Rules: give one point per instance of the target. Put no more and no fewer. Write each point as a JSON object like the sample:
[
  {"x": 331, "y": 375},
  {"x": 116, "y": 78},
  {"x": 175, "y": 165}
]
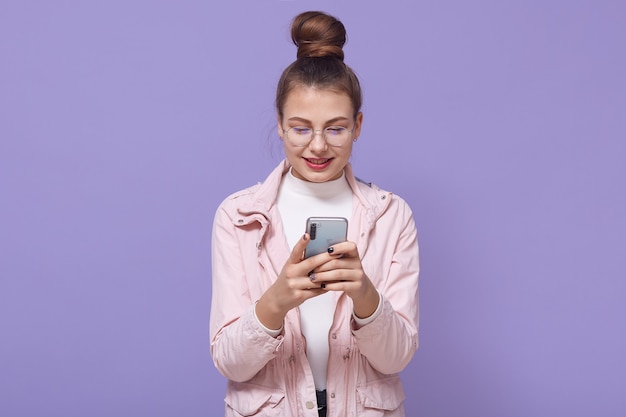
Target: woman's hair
[{"x": 319, "y": 64}]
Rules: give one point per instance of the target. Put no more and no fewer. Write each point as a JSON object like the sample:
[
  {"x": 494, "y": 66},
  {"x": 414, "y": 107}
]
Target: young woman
[{"x": 325, "y": 335}]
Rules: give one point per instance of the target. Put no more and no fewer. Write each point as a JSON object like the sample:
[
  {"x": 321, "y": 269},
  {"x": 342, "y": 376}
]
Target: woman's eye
[
  {"x": 335, "y": 130},
  {"x": 301, "y": 130}
]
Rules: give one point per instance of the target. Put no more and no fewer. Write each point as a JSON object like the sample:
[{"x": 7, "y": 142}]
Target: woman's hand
[
  {"x": 292, "y": 287},
  {"x": 341, "y": 270}
]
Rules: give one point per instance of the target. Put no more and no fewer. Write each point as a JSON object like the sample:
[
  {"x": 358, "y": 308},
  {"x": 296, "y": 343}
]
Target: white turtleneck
[{"x": 298, "y": 200}]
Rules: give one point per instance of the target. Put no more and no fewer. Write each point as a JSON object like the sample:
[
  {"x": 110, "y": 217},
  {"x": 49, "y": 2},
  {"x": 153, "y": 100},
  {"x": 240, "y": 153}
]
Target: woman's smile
[{"x": 318, "y": 163}]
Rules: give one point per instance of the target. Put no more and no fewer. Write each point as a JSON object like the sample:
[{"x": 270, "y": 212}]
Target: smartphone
[{"x": 324, "y": 232}]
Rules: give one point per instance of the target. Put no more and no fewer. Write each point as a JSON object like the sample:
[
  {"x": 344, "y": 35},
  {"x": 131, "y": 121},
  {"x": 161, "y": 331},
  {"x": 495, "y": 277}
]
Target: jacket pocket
[
  {"x": 246, "y": 399},
  {"x": 381, "y": 397}
]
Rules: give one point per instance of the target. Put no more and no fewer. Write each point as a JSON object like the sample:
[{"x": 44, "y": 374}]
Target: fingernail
[
  {"x": 304, "y": 236},
  {"x": 323, "y": 286},
  {"x": 331, "y": 249},
  {"x": 312, "y": 277}
]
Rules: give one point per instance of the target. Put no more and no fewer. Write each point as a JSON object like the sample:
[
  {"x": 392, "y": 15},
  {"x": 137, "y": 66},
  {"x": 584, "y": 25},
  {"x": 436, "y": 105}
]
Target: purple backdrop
[{"x": 123, "y": 124}]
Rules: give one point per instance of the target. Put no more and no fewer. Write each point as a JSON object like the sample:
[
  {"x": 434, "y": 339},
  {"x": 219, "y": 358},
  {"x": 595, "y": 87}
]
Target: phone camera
[{"x": 313, "y": 230}]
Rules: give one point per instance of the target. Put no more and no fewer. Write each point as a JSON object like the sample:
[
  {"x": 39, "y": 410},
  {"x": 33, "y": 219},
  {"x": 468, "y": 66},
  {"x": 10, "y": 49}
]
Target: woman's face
[{"x": 318, "y": 109}]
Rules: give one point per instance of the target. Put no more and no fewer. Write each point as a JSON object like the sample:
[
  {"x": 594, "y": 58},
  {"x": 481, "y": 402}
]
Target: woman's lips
[{"x": 317, "y": 163}]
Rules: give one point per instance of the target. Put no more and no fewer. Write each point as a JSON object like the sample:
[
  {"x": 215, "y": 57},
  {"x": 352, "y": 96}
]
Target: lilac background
[{"x": 123, "y": 124}]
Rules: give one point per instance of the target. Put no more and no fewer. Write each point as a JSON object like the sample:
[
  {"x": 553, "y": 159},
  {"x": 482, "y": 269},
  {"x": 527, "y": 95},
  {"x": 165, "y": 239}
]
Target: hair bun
[{"x": 318, "y": 34}]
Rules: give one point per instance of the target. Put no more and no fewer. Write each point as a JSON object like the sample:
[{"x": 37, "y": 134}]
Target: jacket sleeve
[
  {"x": 390, "y": 341},
  {"x": 239, "y": 346}
]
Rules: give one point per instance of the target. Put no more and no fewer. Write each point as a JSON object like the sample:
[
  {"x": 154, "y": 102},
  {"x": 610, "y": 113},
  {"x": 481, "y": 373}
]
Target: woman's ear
[
  {"x": 279, "y": 124},
  {"x": 358, "y": 121}
]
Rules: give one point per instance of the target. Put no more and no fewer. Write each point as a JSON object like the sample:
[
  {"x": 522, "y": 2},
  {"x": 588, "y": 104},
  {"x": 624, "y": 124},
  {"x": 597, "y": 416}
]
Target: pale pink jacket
[{"x": 270, "y": 376}]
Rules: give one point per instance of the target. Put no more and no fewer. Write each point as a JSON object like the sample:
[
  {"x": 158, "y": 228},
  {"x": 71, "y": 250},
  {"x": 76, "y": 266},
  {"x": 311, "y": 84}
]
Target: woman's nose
[{"x": 318, "y": 142}]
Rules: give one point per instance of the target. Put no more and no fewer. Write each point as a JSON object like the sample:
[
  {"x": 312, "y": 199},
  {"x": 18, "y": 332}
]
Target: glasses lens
[
  {"x": 336, "y": 135},
  {"x": 299, "y": 135}
]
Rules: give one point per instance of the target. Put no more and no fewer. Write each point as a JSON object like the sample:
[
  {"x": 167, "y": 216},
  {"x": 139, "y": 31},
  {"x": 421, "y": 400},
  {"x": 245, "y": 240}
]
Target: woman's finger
[{"x": 297, "y": 253}]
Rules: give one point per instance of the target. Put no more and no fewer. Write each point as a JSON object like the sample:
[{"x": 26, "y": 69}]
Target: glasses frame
[{"x": 313, "y": 133}]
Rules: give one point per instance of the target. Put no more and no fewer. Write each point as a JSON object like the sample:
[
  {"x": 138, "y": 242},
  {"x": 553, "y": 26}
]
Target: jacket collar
[{"x": 264, "y": 195}]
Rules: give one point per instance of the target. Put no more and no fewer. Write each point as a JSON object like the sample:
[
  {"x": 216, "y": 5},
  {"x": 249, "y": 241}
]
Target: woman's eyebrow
[{"x": 333, "y": 120}]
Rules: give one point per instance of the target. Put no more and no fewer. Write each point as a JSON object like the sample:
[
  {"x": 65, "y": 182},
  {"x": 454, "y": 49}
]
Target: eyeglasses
[{"x": 301, "y": 136}]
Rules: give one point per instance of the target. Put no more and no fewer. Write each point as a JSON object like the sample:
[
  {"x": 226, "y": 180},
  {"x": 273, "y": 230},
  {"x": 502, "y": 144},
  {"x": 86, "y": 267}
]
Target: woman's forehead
[{"x": 307, "y": 102}]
